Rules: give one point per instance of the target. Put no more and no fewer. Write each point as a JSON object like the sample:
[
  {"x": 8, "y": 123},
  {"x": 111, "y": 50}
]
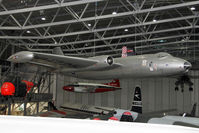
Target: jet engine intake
[
  {"x": 109, "y": 60},
  {"x": 104, "y": 62}
]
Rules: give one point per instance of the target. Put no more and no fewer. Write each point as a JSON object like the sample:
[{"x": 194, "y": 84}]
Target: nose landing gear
[
  {"x": 182, "y": 81},
  {"x": 176, "y": 88}
]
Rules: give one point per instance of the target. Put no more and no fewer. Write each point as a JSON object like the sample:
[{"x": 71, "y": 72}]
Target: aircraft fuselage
[{"x": 141, "y": 66}]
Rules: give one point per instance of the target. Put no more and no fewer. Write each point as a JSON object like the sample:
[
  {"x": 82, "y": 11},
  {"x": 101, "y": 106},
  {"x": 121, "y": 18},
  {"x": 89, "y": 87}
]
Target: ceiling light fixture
[
  {"x": 126, "y": 30},
  {"x": 154, "y": 20},
  {"x": 193, "y": 8},
  {"x": 114, "y": 13},
  {"x": 43, "y": 18},
  {"x": 28, "y": 31},
  {"x": 89, "y": 25}
]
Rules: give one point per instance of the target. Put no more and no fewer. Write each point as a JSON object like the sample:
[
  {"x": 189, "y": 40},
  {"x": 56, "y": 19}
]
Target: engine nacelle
[{"x": 103, "y": 62}]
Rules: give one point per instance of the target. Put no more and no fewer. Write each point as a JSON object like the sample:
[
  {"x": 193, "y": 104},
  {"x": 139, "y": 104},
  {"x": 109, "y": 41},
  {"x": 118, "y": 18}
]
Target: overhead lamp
[
  {"x": 193, "y": 8},
  {"x": 161, "y": 41},
  {"x": 154, "y": 20},
  {"x": 126, "y": 30},
  {"x": 43, "y": 18},
  {"x": 114, "y": 13},
  {"x": 28, "y": 31},
  {"x": 89, "y": 25}
]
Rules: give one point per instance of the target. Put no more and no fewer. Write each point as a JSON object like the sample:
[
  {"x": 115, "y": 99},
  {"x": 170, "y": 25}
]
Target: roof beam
[
  {"x": 131, "y": 42},
  {"x": 101, "y": 17},
  {"x": 116, "y": 44},
  {"x": 140, "y": 51},
  {"x": 32, "y": 9},
  {"x": 102, "y": 29},
  {"x": 113, "y": 37}
]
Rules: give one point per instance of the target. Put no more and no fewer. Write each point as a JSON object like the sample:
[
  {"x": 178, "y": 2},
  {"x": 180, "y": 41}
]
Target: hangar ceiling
[{"x": 98, "y": 27}]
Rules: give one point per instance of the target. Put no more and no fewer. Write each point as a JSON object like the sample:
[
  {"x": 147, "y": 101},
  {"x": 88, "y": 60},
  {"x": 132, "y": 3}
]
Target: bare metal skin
[{"x": 105, "y": 67}]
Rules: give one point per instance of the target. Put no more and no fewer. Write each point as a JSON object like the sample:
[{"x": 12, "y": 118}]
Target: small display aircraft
[
  {"x": 92, "y": 87},
  {"x": 17, "y": 88}
]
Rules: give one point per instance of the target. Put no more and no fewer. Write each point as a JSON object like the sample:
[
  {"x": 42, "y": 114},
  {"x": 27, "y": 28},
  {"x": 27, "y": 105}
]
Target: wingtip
[{"x": 21, "y": 57}]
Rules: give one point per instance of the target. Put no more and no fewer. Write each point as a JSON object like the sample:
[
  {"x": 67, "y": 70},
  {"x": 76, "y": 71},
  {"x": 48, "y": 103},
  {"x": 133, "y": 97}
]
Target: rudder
[
  {"x": 137, "y": 101},
  {"x": 58, "y": 51}
]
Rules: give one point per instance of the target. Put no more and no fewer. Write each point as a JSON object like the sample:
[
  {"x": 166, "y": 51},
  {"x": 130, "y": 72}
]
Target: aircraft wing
[
  {"x": 185, "y": 124},
  {"x": 59, "y": 61},
  {"x": 53, "y": 113},
  {"x": 84, "y": 108},
  {"x": 50, "y": 59}
]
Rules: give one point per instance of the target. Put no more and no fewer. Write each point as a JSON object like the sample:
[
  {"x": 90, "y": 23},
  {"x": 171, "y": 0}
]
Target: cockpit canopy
[{"x": 162, "y": 54}]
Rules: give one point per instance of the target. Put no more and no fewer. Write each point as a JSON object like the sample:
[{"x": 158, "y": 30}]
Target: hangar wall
[{"x": 157, "y": 94}]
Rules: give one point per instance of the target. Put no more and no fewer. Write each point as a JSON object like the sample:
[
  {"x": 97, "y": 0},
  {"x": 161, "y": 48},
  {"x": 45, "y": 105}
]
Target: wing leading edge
[
  {"x": 51, "y": 59},
  {"x": 61, "y": 62}
]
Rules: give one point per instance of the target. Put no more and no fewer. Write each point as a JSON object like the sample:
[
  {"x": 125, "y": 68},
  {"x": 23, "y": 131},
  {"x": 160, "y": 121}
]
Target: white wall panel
[
  {"x": 151, "y": 94},
  {"x": 104, "y": 99},
  {"x": 124, "y": 96},
  {"x": 111, "y": 99},
  {"x": 179, "y": 104},
  {"x": 85, "y": 97},
  {"x": 165, "y": 93},
  {"x": 130, "y": 91},
  {"x": 196, "y": 92},
  {"x": 98, "y": 99},
  {"x": 157, "y": 94},
  {"x": 117, "y": 98},
  {"x": 187, "y": 100},
  {"x": 91, "y": 99},
  {"x": 145, "y": 95},
  {"x": 72, "y": 97},
  {"x": 172, "y": 94},
  {"x": 78, "y": 98},
  {"x": 59, "y": 92}
]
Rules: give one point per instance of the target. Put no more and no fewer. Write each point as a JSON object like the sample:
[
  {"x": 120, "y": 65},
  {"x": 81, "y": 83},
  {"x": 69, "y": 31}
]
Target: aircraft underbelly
[
  {"x": 126, "y": 72},
  {"x": 132, "y": 67}
]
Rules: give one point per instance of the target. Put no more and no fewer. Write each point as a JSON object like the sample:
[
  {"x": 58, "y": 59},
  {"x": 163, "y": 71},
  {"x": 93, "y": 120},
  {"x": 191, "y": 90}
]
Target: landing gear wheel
[
  {"x": 190, "y": 89},
  {"x": 176, "y": 88}
]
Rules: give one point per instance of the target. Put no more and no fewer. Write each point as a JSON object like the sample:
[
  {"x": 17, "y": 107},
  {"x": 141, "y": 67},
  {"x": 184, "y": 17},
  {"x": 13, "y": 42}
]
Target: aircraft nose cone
[
  {"x": 187, "y": 66},
  {"x": 11, "y": 58}
]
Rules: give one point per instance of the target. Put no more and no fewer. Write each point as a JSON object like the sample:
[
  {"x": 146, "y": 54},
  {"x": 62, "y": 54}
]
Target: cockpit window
[{"x": 162, "y": 54}]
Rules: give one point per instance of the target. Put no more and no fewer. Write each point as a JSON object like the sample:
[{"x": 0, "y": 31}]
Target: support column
[
  {"x": 12, "y": 64},
  {"x": 59, "y": 90},
  {"x": 9, "y": 108},
  {"x": 25, "y": 113}
]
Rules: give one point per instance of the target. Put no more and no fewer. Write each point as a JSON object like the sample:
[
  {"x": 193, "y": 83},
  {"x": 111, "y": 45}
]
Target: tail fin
[
  {"x": 127, "y": 52},
  {"x": 137, "y": 101},
  {"x": 193, "y": 111},
  {"x": 124, "y": 51},
  {"x": 51, "y": 106},
  {"x": 58, "y": 51}
]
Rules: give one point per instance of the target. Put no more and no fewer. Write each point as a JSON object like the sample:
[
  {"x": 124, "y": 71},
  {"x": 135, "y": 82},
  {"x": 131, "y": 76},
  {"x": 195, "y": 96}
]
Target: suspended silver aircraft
[{"x": 106, "y": 67}]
